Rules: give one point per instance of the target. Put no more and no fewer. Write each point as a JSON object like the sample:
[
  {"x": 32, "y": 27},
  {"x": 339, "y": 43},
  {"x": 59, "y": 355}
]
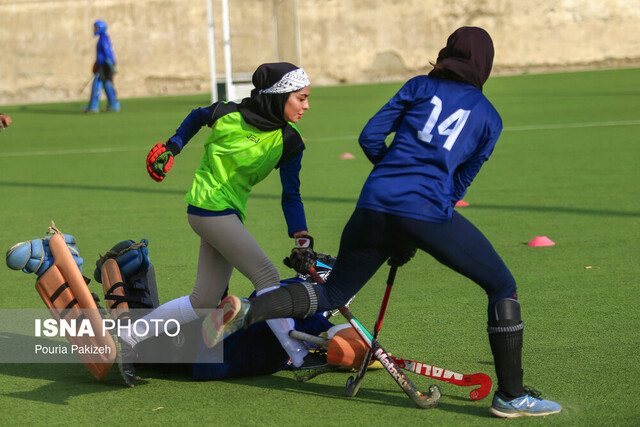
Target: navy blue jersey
[{"x": 444, "y": 132}]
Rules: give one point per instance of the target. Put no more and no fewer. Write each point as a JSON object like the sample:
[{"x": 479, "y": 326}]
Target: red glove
[{"x": 159, "y": 161}]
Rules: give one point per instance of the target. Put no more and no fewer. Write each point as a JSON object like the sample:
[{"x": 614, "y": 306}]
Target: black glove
[
  {"x": 302, "y": 257},
  {"x": 325, "y": 259},
  {"x": 401, "y": 255}
]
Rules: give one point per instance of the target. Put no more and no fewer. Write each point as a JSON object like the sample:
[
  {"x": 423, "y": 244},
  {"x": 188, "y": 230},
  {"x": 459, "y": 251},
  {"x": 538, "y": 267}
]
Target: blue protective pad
[
  {"x": 18, "y": 255},
  {"x": 34, "y": 256},
  {"x": 96, "y": 92},
  {"x": 130, "y": 262}
]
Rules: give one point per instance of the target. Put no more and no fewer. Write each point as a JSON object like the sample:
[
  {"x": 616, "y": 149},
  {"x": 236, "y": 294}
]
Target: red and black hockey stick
[
  {"x": 482, "y": 380},
  {"x": 421, "y": 400},
  {"x": 353, "y": 383}
]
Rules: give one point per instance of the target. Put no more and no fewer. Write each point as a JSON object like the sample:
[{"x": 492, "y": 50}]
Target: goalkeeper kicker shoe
[
  {"x": 313, "y": 365},
  {"x": 227, "y": 319},
  {"x": 529, "y": 405},
  {"x": 125, "y": 363}
]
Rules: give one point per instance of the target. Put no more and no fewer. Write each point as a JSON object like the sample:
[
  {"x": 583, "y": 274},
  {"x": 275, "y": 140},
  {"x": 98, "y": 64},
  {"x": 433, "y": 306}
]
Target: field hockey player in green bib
[{"x": 248, "y": 141}]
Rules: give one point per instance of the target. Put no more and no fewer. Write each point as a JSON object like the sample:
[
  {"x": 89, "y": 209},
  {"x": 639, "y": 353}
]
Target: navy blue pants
[{"x": 369, "y": 236}]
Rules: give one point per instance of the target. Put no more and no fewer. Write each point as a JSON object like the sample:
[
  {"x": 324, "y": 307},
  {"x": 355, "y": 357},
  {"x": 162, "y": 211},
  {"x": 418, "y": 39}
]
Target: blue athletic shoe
[
  {"x": 529, "y": 405},
  {"x": 227, "y": 319}
]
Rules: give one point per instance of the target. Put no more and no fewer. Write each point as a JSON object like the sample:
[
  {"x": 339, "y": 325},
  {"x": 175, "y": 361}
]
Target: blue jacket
[
  {"x": 444, "y": 132},
  {"x": 104, "y": 51}
]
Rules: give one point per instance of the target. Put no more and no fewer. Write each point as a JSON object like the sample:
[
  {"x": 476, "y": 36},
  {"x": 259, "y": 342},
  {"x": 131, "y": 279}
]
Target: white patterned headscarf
[
  {"x": 273, "y": 84},
  {"x": 291, "y": 82}
]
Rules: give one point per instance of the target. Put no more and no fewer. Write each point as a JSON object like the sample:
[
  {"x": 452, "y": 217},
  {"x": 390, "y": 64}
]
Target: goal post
[
  {"x": 282, "y": 27},
  {"x": 212, "y": 53},
  {"x": 286, "y": 31}
]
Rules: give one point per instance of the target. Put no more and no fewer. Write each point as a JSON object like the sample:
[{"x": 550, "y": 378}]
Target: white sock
[
  {"x": 179, "y": 309},
  {"x": 281, "y": 328}
]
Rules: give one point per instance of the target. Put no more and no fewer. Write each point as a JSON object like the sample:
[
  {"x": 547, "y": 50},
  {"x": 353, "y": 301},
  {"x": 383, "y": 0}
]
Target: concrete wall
[{"x": 48, "y": 48}]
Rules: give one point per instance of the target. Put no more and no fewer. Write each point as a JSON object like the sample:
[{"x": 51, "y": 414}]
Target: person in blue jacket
[
  {"x": 104, "y": 69},
  {"x": 445, "y": 129}
]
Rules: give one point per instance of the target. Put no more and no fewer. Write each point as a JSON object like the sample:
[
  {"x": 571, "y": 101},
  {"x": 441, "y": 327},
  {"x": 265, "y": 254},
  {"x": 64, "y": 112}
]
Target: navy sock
[{"x": 296, "y": 300}]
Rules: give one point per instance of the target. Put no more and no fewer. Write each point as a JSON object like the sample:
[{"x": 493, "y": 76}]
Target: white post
[
  {"x": 212, "y": 55},
  {"x": 231, "y": 93},
  {"x": 299, "y": 61}
]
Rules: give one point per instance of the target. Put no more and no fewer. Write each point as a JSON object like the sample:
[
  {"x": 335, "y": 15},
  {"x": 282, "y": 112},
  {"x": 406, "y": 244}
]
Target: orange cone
[{"x": 347, "y": 156}]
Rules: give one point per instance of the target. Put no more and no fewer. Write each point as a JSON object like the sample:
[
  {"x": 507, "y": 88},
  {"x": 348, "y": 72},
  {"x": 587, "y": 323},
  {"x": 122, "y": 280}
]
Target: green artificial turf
[{"x": 565, "y": 167}]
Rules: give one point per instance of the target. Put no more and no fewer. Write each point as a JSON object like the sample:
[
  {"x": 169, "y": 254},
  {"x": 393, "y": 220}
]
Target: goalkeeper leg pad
[
  {"x": 114, "y": 290},
  {"x": 65, "y": 292},
  {"x": 96, "y": 92},
  {"x": 110, "y": 90}
]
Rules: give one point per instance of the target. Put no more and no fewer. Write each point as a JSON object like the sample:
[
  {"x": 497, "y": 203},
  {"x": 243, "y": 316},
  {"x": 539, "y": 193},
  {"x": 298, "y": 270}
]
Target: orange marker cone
[
  {"x": 541, "y": 241},
  {"x": 461, "y": 204},
  {"x": 347, "y": 156}
]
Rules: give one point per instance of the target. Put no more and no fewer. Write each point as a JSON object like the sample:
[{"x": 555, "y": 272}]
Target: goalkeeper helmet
[{"x": 99, "y": 27}]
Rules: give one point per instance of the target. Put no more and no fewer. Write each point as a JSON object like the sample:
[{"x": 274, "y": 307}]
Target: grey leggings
[{"x": 225, "y": 244}]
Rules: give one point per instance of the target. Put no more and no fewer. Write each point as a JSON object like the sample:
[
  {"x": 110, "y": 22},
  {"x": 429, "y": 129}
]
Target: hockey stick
[
  {"x": 353, "y": 383},
  {"x": 84, "y": 86},
  {"x": 422, "y": 401},
  {"x": 483, "y": 380},
  {"x": 420, "y": 368}
]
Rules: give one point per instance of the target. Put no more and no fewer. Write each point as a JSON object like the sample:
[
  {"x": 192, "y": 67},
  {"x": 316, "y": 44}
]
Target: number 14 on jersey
[{"x": 449, "y": 127}]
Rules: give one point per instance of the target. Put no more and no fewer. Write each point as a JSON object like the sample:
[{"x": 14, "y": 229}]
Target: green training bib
[{"x": 237, "y": 156}]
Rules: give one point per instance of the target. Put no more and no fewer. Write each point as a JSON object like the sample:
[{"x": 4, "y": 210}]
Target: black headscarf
[
  {"x": 266, "y": 111},
  {"x": 467, "y": 57}
]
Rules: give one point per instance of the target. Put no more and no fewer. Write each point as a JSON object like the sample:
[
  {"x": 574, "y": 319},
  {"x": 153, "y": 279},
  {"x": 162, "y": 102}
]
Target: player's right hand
[
  {"x": 401, "y": 255},
  {"x": 302, "y": 256},
  {"x": 301, "y": 262},
  {"x": 159, "y": 161}
]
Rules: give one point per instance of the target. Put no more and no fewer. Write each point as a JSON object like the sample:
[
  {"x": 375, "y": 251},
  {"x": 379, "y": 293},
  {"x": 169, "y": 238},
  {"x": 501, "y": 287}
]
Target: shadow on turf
[
  {"x": 150, "y": 190},
  {"x": 389, "y": 396},
  {"x": 64, "y": 380},
  {"x": 63, "y": 110},
  {"x": 352, "y": 201}
]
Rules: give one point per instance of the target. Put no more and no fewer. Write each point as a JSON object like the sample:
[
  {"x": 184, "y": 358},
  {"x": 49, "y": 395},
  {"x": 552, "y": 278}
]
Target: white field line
[
  {"x": 574, "y": 125},
  {"x": 518, "y": 128},
  {"x": 79, "y": 151},
  {"x": 329, "y": 139}
]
